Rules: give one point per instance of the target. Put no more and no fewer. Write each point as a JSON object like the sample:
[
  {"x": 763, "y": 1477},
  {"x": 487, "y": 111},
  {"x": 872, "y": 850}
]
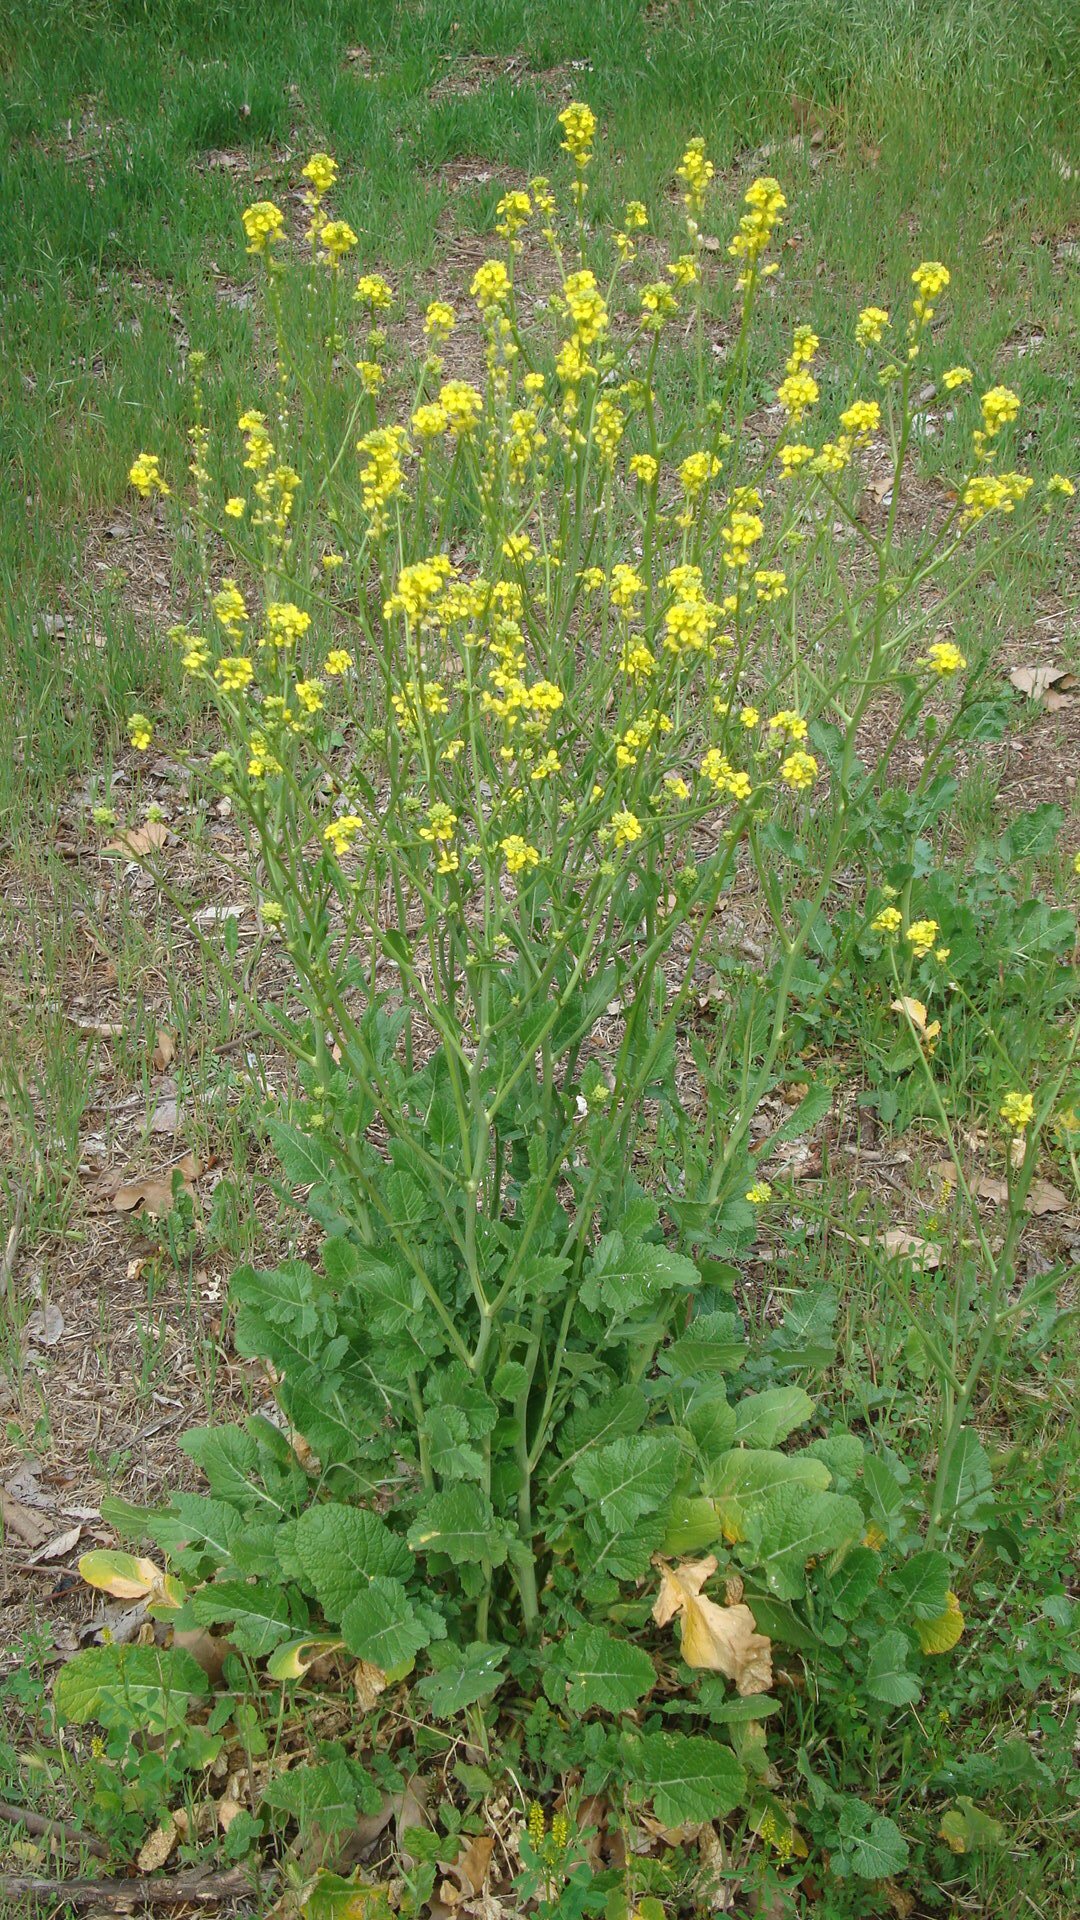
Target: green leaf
[
  {"x": 459, "y": 1522},
  {"x": 713, "y": 1343},
  {"x": 380, "y": 1626},
  {"x": 330, "y": 1897},
  {"x": 710, "y": 1417},
  {"x": 326, "y": 1796},
  {"x": 813, "y": 1107},
  {"x": 259, "y": 1615},
  {"x": 922, "y": 1585},
  {"x": 305, "y": 1159},
  {"x": 849, "y": 1588},
  {"x": 742, "y": 1483},
  {"x": 967, "y": 1829},
  {"x": 283, "y": 1296},
  {"x": 129, "y": 1686},
  {"x": 461, "y": 1675},
  {"x": 967, "y": 1499},
  {"x": 878, "y": 1850},
  {"x": 691, "y": 1523},
  {"x": 608, "y": 1418},
  {"x": 628, "y": 1274},
  {"x": 887, "y": 1677},
  {"x": 629, "y": 1478},
  {"x": 794, "y": 1524},
  {"x": 765, "y": 1419},
  {"x": 688, "y": 1778},
  {"x": 603, "y": 1671},
  {"x": 341, "y": 1548}
]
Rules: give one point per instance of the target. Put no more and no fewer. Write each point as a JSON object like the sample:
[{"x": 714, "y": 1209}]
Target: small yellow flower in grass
[
  {"x": 439, "y": 321},
  {"x": 759, "y": 1194},
  {"x": 228, "y": 604},
  {"x": 196, "y": 658},
  {"x": 272, "y": 913},
  {"x": 749, "y": 717},
  {"x": 770, "y": 583},
  {"x": 371, "y": 376},
  {"x": 104, "y": 816},
  {"x": 264, "y": 223},
  {"x": 578, "y": 123},
  {"x": 592, "y": 579},
  {"x": 341, "y": 833},
  {"x": 140, "y": 731},
  {"x": 921, "y": 937},
  {"x": 696, "y": 471},
  {"x": 331, "y": 561},
  {"x": 954, "y": 377},
  {"x": 625, "y": 828},
  {"x": 310, "y": 695},
  {"x": 517, "y": 853},
  {"x": 740, "y": 533},
  {"x": 861, "y": 419},
  {"x": 261, "y": 760},
  {"x": 790, "y": 725},
  {"x": 644, "y": 468},
  {"x": 1059, "y": 484},
  {"x": 286, "y": 623},
  {"x": 635, "y": 217},
  {"x": 234, "y": 673},
  {"x": 804, "y": 346},
  {"x": 337, "y": 239},
  {"x": 544, "y": 697},
  {"x": 145, "y": 475},
  {"x": 429, "y": 421},
  {"x": 676, "y": 786},
  {"x": 658, "y": 305},
  {"x": 374, "y": 292},
  {"x": 888, "y": 922},
  {"x": 518, "y": 546},
  {"x": 799, "y": 770},
  {"x": 944, "y": 659},
  {"x": 512, "y": 213},
  {"x": 441, "y": 822},
  {"x": 797, "y": 394},
  {"x": 870, "y": 326},
  {"x": 533, "y": 383},
  {"x": 930, "y": 278},
  {"x": 337, "y": 662},
  {"x": 462, "y": 405},
  {"x": 236, "y": 507},
  {"x": 999, "y": 406},
  {"x": 717, "y": 769},
  {"x": 1018, "y": 1111},
  {"x": 627, "y": 586},
  {"x": 490, "y": 286},
  {"x": 792, "y": 457},
  {"x": 1076, "y": 863},
  {"x": 321, "y": 171},
  {"x": 636, "y": 661},
  {"x": 694, "y": 172}
]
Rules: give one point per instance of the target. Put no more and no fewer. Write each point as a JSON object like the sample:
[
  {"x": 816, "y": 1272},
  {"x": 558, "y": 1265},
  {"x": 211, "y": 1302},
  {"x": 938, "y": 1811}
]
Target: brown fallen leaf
[
  {"x": 209, "y": 1650},
  {"x": 901, "y": 1245},
  {"x": 916, "y": 1013},
  {"x": 55, "y": 1549},
  {"x": 164, "y": 1051},
  {"x": 31, "y": 1529},
  {"x": 368, "y": 1682},
  {"x": 466, "y": 1877},
  {"x": 162, "y": 1843},
  {"x": 137, "y": 842},
  {"x": 153, "y": 1193},
  {"x": 1038, "y": 682},
  {"x": 1043, "y": 1197},
  {"x": 723, "y": 1639}
]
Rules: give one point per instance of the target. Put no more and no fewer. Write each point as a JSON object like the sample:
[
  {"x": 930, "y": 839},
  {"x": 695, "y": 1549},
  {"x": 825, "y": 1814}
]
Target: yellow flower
[
  {"x": 636, "y": 661},
  {"x": 695, "y": 172},
  {"x": 799, "y": 770},
  {"x": 1018, "y": 1111},
  {"x": 804, "y": 346},
  {"x": 228, "y": 604},
  {"x": 439, "y": 321},
  {"x": 341, "y": 832},
  {"x": 644, "y": 468},
  {"x": 626, "y": 586},
  {"x": 625, "y": 828},
  {"x": 696, "y": 471},
  {"x": 1058, "y": 483},
  {"x": 921, "y": 937},
  {"x": 930, "y": 278},
  {"x": 234, "y": 673},
  {"x": 759, "y": 1194},
  {"x": 272, "y": 912},
  {"x": 518, "y": 854},
  {"x": 544, "y": 697},
  {"x": 586, "y": 306},
  {"x": 766, "y": 204},
  {"x": 676, "y": 786},
  {"x": 371, "y": 375},
  {"x": 441, "y": 822},
  {"x": 338, "y": 239},
  {"x": 462, "y": 405},
  {"x": 888, "y": 922},
  {"x": 999, "y": 406},
  {"x": 374, "y": 292},
  {"x": 718, "y": 770},
  {"x": 337, "y": 662},
  {"x": 429, "y": 421},
  {"x": 236, "y": 507},
  {"x": 770, "y": 584},
  {"x": 578, "y": 123},
  {"x": 491, "y": 286},
  {"x": 286, "y": 623},
  {"x": 658, "y": 305},
  {"x": 791, "y": 725},
  {"x": 321, "y": 171},
  {"x": 635, "y": 217},
  {"x": 870, "y": 326},
  {"x": 518, "y": 546},
  {"x": 263, "y": 224},
  {"x": 796, "y": 394},
  {"x": 140, "y": 731},
  {"x": 512, "y": 213},
  {"x": 310, "y": 695},
  {"x": 740, "y": 533},
  {"x": 861, "y": 419},
  {"x": 145, "y": 475},
  {"x": 954, "y": 377},
  {"x": 793, "y": 456},
  {"x": 749, "y": 717},
  {"x": 943, "y": 659}
]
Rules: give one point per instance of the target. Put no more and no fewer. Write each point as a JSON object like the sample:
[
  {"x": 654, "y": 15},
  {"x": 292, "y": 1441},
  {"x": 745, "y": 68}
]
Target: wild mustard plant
[{"x": 514, "y": 680}]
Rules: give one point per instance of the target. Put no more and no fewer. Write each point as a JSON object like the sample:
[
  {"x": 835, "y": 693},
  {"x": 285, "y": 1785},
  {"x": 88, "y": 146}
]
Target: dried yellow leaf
[
  {"x": 940, "y": 1635},
  {"x": 723, "y": 1639}
]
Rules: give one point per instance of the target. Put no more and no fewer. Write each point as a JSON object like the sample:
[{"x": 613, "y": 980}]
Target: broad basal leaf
[
  {"x": 625, "y": 1274},
  {"x": 603, "y": 1671},
  {"x": 765, "y": 1419},
  {"x": 922, "y": 1585},
  {"x": 341, "y": 1548},
  {"x": 724, "y": 1639},
  {"x": 887, "y": 1677},
  {"x": 793, "y": 1525},
  {"x": 461, "y": 1675},
  {"x": 380, "y": 1626},
  {"x": 874, "y": 1846},
  {"x": 460, "y": 1523},
  {"x": 258, "y": 1616},
  {"x": 688, "y": 1778},
  {"x": 629, "y": 1478},
  {"x": 129, "y": 1686},
  {"x": 713, "y": 1343},
  {"x": 942, "y": 1634},
  {"x": 743, "y": 1482},
  {"x": 967, "y": 1497}
]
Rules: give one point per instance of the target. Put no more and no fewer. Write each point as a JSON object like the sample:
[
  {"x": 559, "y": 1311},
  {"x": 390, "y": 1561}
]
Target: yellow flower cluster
[
  {"x": 264, "y": 224},
  {"x": 756, "y": 228},
  {"x": 146, "y": 476}
]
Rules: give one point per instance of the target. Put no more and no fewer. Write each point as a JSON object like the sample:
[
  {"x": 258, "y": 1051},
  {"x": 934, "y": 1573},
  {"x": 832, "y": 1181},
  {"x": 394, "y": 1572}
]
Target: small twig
[
  {"x": 120, "y": 1896},
  {"x": 37, "y": 1823},
  {"x": 7, "y": 1260}
]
